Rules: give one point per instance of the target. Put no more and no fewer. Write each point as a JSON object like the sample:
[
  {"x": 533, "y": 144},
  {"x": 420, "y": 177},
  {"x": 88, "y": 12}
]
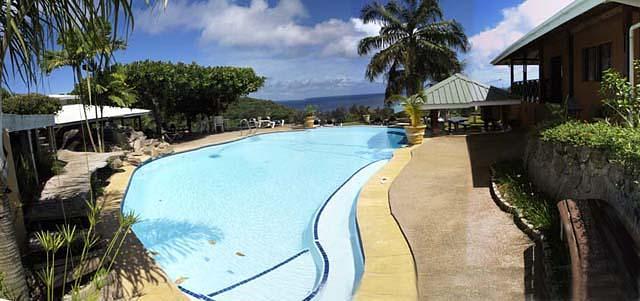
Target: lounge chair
[
  {"x": 218, "y": 123},
  {"x": 266, "y": 122}
]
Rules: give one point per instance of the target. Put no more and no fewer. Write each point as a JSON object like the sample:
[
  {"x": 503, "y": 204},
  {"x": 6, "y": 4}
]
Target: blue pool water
[{"x": 235, "y": 221}]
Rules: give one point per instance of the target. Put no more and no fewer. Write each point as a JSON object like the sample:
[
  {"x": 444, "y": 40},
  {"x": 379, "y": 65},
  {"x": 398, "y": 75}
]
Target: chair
[
  {"x": 218, "y": 122},
  {"x": 266, "y": 122}
]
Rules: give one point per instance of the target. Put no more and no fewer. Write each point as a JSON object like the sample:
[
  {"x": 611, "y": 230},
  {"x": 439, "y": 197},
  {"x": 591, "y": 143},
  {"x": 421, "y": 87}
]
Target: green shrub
[
  {"x": 513, "y": 183},
  {"x": 541, "y": 211},
  {"x": 620, "y": 144},
  {"x": 247, "y": 107},
  {"x": 30, "y": 104},
  {"x": 621, "y": 99}
]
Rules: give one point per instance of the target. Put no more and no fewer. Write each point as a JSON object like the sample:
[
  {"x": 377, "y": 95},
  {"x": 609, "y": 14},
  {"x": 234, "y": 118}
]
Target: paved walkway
[{"x": 464, "y": 246}]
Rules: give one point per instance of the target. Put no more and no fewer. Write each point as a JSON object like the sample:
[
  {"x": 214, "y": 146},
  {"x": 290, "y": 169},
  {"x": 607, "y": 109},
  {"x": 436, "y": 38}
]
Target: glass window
[{"x": 605, "y": 59}]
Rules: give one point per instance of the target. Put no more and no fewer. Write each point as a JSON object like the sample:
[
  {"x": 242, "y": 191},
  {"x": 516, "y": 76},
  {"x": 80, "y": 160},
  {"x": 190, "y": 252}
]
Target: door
[{"x": 556, "y": 80}]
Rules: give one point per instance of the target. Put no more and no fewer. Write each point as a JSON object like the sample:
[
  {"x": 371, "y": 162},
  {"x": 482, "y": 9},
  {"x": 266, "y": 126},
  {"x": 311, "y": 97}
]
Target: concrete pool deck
[
  {"x": 464, "y": 246},
  {"x": 389, "y": 270}
]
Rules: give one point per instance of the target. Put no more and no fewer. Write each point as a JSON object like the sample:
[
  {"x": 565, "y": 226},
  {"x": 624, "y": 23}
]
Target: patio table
[{"x": 456, "y": 122}]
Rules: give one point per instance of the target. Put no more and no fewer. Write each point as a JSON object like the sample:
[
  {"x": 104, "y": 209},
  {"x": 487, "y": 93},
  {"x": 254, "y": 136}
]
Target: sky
[{"x": 305, "y": 48}]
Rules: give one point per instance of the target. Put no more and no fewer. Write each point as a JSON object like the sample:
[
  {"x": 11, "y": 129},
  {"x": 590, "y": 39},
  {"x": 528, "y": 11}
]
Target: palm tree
[
  {"x": 75, "y": 53},
  {"x": 415, "y": 44},
  {"x": 26, "y": 28}
]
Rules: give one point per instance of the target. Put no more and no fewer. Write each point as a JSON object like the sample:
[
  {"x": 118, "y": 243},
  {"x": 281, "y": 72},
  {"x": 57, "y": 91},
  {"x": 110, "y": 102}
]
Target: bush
[
  {"x": 252, "y": 108},
  {"x": 619, "y": 143},
  {"x": 31, "y": 104}
]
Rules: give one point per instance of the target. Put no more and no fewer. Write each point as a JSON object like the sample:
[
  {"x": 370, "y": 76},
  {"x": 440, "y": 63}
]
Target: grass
[
  {"x": 512, "y": 182},
  {"x": 541, "y": 211}
]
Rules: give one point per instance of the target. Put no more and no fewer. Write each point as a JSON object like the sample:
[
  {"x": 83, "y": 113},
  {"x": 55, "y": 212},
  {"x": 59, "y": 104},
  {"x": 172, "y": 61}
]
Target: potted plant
[
  {"x": 309, "y": 112},
  {"x": 413, "y": 107}
]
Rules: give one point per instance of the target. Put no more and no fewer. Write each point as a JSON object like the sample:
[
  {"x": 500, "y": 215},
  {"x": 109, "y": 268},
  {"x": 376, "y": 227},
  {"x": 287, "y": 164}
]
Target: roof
[
  {"x": 459, "y": 92},
  {"x": 74, "y": 113},
  {"x": 14, "y": 122},
  {"x": 64, "y": 96},
  {"x": 565, "y": 15}
]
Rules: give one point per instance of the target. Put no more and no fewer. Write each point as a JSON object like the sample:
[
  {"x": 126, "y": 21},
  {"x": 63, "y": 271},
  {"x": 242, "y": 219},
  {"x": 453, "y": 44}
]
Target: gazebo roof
[{"x": 460, "y": 92}]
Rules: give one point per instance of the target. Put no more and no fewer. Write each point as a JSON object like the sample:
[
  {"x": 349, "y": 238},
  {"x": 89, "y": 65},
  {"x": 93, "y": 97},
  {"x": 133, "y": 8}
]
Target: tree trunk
[
  {"x": 86, "y": 119},
  {"x": 10, "y": 259},
  {"x": 157, "y": 117}
]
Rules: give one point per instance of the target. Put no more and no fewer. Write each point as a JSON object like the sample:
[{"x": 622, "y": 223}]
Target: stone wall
[{"x": 581, "y": 173}]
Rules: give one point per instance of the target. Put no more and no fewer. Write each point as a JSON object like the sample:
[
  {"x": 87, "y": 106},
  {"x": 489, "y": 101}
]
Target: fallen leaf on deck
[{"x": 240, "y": 254}]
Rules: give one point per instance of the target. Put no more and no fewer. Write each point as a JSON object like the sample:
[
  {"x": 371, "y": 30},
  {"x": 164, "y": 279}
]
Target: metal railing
[{"x": 529, "y": 90}]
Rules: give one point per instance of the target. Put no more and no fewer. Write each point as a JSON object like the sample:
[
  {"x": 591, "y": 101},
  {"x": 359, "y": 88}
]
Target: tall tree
[
  {"x": 415, "y": 44},
  {"x": 75, "y": 53},
  {"x": 26, "y": 29}
]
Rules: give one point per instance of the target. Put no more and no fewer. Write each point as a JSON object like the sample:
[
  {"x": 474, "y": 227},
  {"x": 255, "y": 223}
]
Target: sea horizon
[{"x": 329, "y": 103}]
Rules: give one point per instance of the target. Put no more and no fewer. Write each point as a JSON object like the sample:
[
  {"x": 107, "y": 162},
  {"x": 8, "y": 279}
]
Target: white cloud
[
  {"x": 516, "y": 22},
  {"x": 276, "y": 28}
]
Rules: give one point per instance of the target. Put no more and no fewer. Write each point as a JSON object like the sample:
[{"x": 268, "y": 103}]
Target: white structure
[
  {"x": 76, "y": 113},
  {"x": 65, "y": 99}
]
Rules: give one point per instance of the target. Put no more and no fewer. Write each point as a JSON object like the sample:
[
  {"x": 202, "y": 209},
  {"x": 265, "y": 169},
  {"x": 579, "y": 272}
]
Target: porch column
[
  {"x": 541, "y": 73},
  {"x": 511, "y": 67},
  {"x": 33, "y": 158},
  {"x": 524, "y": 70}
]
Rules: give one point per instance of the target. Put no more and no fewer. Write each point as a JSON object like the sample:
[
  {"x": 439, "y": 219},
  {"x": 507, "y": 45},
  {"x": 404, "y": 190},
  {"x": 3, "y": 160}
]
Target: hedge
[
  {"x": 621, "y": 144},
  {"x": 31, "y": 104}
]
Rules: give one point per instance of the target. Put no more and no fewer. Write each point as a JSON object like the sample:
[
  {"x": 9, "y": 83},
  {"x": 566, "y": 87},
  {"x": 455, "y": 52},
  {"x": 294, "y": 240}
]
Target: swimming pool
[{"x": 270, "y": 217}]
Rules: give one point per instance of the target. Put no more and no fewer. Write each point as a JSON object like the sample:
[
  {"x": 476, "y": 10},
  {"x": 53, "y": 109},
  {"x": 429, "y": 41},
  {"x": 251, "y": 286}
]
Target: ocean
[{"x": 333, "y": 102}]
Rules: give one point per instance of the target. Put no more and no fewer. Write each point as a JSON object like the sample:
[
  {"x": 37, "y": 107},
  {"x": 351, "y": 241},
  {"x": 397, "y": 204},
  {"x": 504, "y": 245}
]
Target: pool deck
[
  {"x": 389, "y": 270},
  {"x": 138, "y": 277},
  {"x": 465, "y": 248}
]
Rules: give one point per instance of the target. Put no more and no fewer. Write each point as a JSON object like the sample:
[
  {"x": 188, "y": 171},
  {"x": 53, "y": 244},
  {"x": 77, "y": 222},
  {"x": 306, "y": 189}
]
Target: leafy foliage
[
  {"x": 415, "y": 44},
  {"x": 247, "y": 107},
  {"x": 109, "y": 88},
  {"x": 540, "y": 210},
  {"x": 620, "y": 97},
  {"x": 170, "y": 89},
  {"x": 412, "y": 106},
  {"x": 514, "y": 185},
  {"x": 619, "y": 143},
  {"x": 310, "y": 110},
  {"x": 30, "y": 104}
]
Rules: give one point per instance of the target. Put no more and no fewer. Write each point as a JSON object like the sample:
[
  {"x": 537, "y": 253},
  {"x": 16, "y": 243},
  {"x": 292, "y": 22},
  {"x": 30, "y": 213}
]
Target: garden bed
[{"x": 536, "y": 215}]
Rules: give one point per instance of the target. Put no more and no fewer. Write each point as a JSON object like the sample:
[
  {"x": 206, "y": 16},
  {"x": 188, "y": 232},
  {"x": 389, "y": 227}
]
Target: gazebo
[{"x": 460, "y": 92}]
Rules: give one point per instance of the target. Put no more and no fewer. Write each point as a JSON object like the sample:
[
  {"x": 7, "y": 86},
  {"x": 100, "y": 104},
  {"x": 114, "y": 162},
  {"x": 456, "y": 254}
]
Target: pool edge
[{"x": 389, "y": 266}]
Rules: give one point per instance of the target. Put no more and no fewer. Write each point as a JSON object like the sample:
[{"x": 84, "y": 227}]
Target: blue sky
[{"x": 306, "y": 48}]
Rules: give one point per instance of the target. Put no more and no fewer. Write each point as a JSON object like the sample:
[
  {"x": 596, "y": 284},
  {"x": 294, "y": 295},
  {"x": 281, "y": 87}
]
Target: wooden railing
[{"x": 529, "y": 90}]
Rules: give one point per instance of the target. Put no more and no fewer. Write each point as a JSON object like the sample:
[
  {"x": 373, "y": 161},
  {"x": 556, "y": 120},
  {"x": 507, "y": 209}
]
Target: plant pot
[
  {"x": 415, "y": 135},
  {"x": 308, "y": 122}
]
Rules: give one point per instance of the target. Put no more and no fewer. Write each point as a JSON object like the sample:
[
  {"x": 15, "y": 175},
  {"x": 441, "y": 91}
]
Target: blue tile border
[
  {"x": 195, "y": 295},
  {"x": 224, "y": 290},
  {"x": 258, "y": 275},
  {"x": 316, "y": 238}
]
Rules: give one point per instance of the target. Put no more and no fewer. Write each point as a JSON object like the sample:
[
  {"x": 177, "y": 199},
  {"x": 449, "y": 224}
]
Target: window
[
  {"x": 605, "y": 58},
  {"x": 595, "y": 61}
]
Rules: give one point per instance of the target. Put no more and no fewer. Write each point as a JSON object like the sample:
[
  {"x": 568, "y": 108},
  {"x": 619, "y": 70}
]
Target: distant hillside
[
  {"x": 247, "y": 107},
  {"x": 333, "y": 102}
]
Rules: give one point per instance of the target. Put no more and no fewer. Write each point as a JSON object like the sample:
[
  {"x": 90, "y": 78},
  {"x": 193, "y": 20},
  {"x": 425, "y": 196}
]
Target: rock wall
[{"x": 582, "y": 173}]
